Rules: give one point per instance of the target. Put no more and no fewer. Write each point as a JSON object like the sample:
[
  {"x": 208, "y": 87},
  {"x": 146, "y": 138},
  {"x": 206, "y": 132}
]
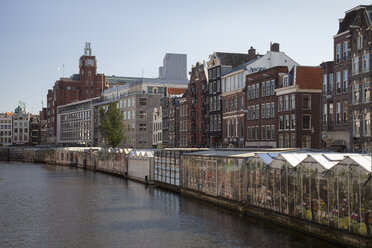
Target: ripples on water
[{"x": 53, "y": 206}]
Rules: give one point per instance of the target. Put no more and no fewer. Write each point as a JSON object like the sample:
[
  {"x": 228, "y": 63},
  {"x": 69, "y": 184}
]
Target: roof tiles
[{"x": 309, "y": 77}]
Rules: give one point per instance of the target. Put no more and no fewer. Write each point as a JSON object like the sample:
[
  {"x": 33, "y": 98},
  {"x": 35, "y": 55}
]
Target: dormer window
[
  {"x": 285, "y": 81},
  {"x": 360, "y": 41}
]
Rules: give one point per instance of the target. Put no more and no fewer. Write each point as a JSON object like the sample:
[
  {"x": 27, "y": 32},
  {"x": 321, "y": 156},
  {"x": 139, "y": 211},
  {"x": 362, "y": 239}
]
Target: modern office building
[
  {"x": 75, "y": 123},
  {"x": 174, "y": 67},
  {"x": 137, "y": 100}
]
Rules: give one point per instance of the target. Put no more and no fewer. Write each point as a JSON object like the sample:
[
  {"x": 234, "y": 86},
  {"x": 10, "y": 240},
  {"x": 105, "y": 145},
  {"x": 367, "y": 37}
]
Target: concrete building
[
  {"x": 137, "y": 99},
  {"x": 21, "y": 125},
  {"x": 75, "y": 123},
  {"x": 174, "y": 67},
  {"x": 6, "y": 129},
  {"x": 87, "y": 84},
  {"x": 157, "y": 129}
]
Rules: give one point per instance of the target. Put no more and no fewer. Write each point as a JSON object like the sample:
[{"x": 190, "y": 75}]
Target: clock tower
[{"x": 88, "y": 73}]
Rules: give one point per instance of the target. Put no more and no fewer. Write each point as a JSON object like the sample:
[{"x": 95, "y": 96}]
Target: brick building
[
  {"x": 219, "y": 63},
  {"x": 173, "y": 121},
  {"x": 35, "y": 127},
  {"x": 298, "y": 111},
  {"x": 234, "y": 96},
  {"x": 183, "y": 121},
  {"x": 43, "y": 127},
  {"x": 197, "y": 106},
  {"x": 87, "y": 84},
  {"x": 170, "y": 116},
  {"x": 359, "y": 21},
  {"x": 6, "y": 129},
  {"x": 282, "y": 108},
  {"x": 261, "y": 107},
  {"x": 346, "y": 102}
]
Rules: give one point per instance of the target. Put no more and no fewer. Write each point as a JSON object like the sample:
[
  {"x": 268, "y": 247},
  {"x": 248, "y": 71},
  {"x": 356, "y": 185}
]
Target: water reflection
[{"x": 53, "y": 206}]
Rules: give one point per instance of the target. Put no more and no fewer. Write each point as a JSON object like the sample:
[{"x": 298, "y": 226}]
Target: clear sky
[{"x": 36, "y": 37}]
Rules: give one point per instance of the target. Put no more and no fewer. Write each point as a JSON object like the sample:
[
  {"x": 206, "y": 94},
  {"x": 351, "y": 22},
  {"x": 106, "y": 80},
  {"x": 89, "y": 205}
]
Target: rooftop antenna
[
  {"x": 142, "y": 72},
  {"x": 63, "y": 69}
]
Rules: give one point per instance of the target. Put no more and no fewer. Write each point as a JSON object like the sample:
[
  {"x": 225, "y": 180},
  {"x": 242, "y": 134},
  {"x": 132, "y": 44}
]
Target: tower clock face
[{"x": 89, "y": 62}]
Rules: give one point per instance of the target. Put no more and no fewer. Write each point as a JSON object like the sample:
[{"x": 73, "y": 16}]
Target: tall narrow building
[{"x": 346, "y": 101}]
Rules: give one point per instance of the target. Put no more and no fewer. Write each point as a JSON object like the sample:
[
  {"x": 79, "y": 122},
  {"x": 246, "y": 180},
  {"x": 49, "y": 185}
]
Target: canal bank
[
  {"x": 65, "y": 206},
  {"x": 256, "y": 184}
]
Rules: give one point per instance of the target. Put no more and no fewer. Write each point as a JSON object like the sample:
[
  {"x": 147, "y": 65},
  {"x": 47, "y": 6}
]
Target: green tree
[{"x": 111, "y": 125}]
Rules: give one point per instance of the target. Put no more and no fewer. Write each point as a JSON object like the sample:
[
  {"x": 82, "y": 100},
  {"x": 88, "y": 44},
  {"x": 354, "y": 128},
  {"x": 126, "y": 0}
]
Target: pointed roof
[
  {"x": 176, "y": 91},
  {"x": 307, "y": 77},
  {"x": 233, "y": 59},
  {"x": 351, "y": 17}
]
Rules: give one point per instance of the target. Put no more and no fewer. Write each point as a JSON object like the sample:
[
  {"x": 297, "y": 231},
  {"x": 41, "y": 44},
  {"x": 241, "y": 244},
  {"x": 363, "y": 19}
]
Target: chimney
[
  {"x": 340, "y": 21},
  {"x": 274, "y": 47},
  {"x": 251, "y": 54}
]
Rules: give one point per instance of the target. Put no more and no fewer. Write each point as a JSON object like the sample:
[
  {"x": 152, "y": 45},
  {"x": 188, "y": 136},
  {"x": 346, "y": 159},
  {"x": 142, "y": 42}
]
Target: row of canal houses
[
  {"x": 267, "y": 101},
  {"x": 261, "y": 101}
]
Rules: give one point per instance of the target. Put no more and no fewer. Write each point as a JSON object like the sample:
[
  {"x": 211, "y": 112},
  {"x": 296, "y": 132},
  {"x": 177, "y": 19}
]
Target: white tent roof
[
  {"x": 334, "y": 156},
  {"x": 294, "y": 158},
  {"x": 267, "y": 158},
  {"x": 324, "y": 160},
  {"x": 141, "y": 153},
  {"x": 362, "y": 160}
]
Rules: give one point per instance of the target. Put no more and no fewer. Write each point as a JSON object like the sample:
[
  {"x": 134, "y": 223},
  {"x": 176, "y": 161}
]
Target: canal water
[{"x": 53, "y": 206}]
